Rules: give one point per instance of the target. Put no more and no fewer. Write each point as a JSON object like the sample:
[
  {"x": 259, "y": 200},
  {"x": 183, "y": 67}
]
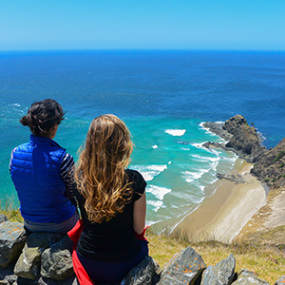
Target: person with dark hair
[
  {"x": 112, "y": 203},
  {"x": 43, "y": 173}
]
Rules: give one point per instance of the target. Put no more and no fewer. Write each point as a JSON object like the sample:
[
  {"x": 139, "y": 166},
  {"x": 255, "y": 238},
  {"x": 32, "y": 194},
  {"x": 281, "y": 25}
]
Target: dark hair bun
[{"x": 42, "y": 116}]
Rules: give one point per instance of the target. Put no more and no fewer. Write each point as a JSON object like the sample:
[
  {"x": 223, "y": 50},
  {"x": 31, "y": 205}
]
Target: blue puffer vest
[{"x": 35, "y": 171}]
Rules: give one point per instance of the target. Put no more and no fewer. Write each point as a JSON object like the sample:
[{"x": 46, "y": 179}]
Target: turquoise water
[{"x": 162, "y": 96}]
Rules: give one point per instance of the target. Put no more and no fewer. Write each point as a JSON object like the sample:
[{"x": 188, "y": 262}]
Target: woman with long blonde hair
[{"x": 112, "y": 202}]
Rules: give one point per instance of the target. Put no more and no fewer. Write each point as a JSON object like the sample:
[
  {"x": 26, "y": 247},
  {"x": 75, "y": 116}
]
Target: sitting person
[
  {"x": 112, "y": 203},
  {"x": 43, "y": 173}
]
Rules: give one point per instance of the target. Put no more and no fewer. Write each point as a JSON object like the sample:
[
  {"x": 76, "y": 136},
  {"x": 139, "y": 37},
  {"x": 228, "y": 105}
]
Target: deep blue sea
[{"x": 163, "y": 96}]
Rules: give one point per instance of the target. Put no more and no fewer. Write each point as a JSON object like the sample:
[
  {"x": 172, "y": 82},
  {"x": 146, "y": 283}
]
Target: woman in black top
[{"x": 112, "y": 201}]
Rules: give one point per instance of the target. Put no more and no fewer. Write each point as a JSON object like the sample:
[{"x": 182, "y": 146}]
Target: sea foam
[
  {"x": 175, "y": 132},
  {"x": 150, "y": 171},
  {"x": 158, "y": 192}
]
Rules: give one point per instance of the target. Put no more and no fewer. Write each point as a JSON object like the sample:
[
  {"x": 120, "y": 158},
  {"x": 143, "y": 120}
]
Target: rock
[
  {"x": 142, "y": 274},
  {"x": 12, "y": 240},
  {"x": 271, "y": 166},
  {"x": 69, "y": 281},
  {"x": 245, "y": 140},
  {"x": 184, "y": 268},
  {"x": 56, "y": 261},
  {"x": 28, "y": 264},
  {"x": 280, "y": 281},
  {"x": 3, "y": 218},
  {"x": 221, "y": 274},
  {"x": 237, "y": 179},
  {"x": 246, "y": 277}
]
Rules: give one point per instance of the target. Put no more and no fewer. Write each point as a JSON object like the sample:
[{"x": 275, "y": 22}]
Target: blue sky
[{"x": 142, "y": 24}]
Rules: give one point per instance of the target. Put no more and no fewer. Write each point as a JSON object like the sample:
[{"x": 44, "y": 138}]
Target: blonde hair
[{"x": 100, "y": 174}]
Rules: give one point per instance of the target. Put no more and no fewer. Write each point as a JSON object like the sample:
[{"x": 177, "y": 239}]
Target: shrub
[{"x": 279, "y": 155}]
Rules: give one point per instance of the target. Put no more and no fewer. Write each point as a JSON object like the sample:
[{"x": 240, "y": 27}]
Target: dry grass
[{"x": 267, "y": 262}]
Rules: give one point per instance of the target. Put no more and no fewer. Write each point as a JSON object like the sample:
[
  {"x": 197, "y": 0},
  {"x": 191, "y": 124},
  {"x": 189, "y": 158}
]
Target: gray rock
[
  {"x": 3, "y": 218},
  {"x": 184, "y": 268},
  {"x": 69, "y": 281},
  {"x": 28, "y": 264},
  {"x": 280, "y": 281},
  {"x": 12, "y": 240},
  {"x": 142, "y": 274},
  {"x": 246, "y": 277},
  {"x": 56, "y": 261},
  {"x": 221, "y": 274}
]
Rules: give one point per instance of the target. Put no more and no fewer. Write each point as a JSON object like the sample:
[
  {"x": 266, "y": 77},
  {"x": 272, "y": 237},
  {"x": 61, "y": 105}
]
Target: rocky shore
[{"x": 242, "y": 193}]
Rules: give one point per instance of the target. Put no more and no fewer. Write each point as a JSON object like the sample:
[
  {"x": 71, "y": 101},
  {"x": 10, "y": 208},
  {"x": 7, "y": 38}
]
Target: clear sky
[{"x": 142, "y": 24}]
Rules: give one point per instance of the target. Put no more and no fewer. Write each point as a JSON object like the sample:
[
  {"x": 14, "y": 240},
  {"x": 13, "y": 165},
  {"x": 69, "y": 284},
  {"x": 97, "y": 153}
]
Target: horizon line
[{"x": 140, "y": 49}]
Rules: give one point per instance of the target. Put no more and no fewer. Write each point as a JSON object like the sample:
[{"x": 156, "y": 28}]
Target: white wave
[
  {"x": 185, "y": 148},
  {"x": 169, "y": 162},
  {"x": 150, "y": 171},
  {"x": 176, "y": 132},
  {"x": 155, "y": 146},
  {"x": 201, "y": 146},
  {"x": 190, "y": 176},
  {"x": 156, "y": 204},
  {"x": 158, "y": 192},
  {"x": 205, "y": 158},
  {"x": 16, "y": 105}
]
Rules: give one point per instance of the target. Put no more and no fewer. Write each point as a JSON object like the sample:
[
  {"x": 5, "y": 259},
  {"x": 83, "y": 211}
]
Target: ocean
[{"x": 163, "y": 96}]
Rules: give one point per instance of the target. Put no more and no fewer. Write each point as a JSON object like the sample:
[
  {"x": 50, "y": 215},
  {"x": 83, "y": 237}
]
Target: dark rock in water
[
  {"x": 184, "y": 268},
  {"x": 3, "y": 218},
  {"x": 56, "y": 262},
  {"x": 12, "y": 240},
  {"x": 238, "y": 178},
  {"x": 221, "y": 274},
  {"x": 246, "y": 277},
  {"x": 142, "y": 274},
  {"x": 280, "y": 281},
  {"x": 271, "y": 166},
  {"x": 245, "y": 139}
]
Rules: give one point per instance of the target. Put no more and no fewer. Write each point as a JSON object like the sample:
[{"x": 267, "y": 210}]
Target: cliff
[{"x": 244, "y": 140}]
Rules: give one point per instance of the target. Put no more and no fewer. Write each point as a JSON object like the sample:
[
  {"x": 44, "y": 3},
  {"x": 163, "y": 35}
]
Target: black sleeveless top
[{"x": 112, "y": 241}]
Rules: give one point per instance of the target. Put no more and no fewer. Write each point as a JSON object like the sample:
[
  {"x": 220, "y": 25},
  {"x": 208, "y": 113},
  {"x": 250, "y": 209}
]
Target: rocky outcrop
[
  {"x": 240, "y": 137},
  {"x": 244, "y": 140},
  {"x": 271, "y": 166},
  {"x": 46, "y": 260}
]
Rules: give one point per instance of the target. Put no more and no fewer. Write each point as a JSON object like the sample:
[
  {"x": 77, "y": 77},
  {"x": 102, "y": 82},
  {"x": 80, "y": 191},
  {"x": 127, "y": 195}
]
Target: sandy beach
[{"x": 222, "y": 215}]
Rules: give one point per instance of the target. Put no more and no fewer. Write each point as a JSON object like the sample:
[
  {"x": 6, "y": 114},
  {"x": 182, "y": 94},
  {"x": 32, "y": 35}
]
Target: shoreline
[{"x": 222, "y": 215}]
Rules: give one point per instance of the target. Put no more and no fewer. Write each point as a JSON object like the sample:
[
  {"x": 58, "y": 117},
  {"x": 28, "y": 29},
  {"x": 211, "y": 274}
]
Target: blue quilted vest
[{"x": 35, "y": 171}]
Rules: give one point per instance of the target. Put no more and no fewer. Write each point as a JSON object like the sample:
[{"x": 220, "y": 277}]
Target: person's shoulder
[
  {"x": 134, "y": 174},
  {"x": 137, "y": 180}
]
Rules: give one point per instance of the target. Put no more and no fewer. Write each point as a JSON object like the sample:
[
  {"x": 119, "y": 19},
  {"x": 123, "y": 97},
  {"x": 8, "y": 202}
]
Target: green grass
[{"x": 266, "y": 262}]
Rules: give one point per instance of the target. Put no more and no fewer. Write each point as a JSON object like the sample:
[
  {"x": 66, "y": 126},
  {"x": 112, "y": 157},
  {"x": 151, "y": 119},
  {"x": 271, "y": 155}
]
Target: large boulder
[
  {"x": 184, "y": 268},
  {"x": 56, "y": 261},
  {"x": 143, "y": 274},
  {"x": 280, "y": 281},
  {"x": 246, "y": 277},
  {"x": 221, "y": 274},
  {"x": 3, "y": 218},
  {"x": 12, "y": 241},
  {"x": 28, "y": 264}
]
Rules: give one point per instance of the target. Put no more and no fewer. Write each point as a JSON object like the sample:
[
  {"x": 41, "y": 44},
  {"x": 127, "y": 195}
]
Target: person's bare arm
[{"x": 139, "y": 214}]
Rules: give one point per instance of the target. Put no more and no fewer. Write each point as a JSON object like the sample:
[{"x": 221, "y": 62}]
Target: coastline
[{"x": 222, "y": 215}]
